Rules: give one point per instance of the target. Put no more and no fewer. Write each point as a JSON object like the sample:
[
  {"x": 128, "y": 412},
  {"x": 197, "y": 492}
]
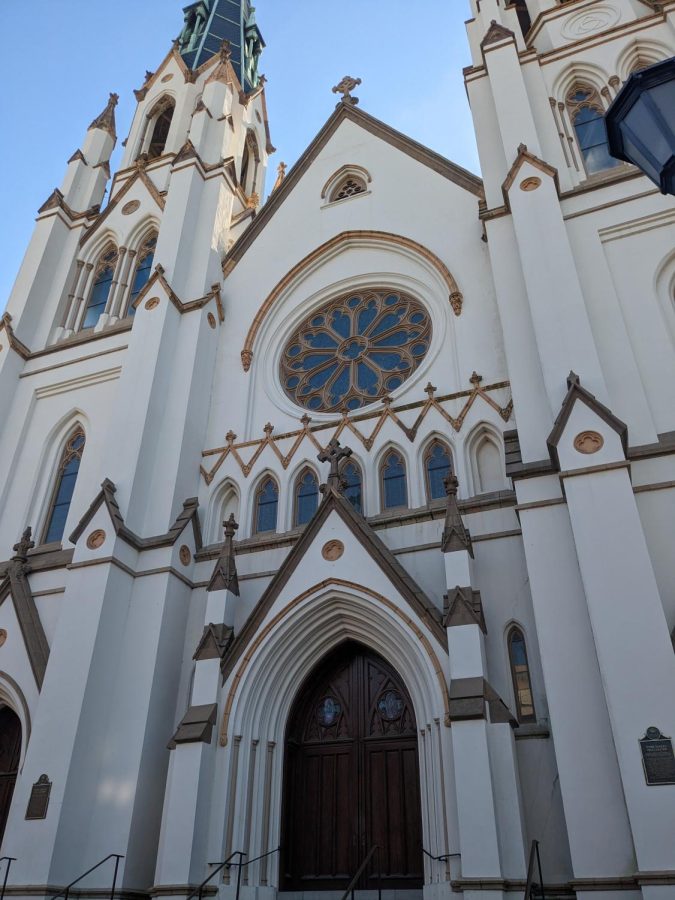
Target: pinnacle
[{"x": 106, "y": 120}]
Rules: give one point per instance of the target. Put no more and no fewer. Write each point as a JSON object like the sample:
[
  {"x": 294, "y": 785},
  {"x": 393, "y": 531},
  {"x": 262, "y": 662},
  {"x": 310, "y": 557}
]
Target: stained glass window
[
  {"x": 353, "y": 489},
  {"x": 438, "y": 464},
  {"x": 520, "y": 672},
  {"x": 266, "y": 506},
  {"x": 146, "y": 257},
  {"x": 64, "y": 487},
  {"x": 306, "y": 497},
  {"x": 394, "y": 487},
  {"x": 355, "y": 350},
  {"x": 103, "y": 278}
]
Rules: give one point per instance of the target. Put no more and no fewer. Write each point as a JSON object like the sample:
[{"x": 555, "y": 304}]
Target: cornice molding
[{"x": 16, "y": 345}]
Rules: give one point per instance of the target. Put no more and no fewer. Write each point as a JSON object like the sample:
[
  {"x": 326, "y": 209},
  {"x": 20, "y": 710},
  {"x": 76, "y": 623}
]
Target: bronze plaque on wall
[
  {"x": 39, "y": 799},
  {"x": 658, "y": 758}
]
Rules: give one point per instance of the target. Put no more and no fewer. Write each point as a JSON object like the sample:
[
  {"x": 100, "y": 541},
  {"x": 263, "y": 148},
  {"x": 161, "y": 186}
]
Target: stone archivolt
[{"x": 347, "y": 423}]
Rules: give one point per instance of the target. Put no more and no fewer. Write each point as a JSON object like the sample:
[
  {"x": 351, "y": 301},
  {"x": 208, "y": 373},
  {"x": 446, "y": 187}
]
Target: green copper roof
[{"x": 210, "y": 22}]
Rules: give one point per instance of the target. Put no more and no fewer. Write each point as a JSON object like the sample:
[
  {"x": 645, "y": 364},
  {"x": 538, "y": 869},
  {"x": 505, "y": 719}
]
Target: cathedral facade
[{"x": 337, "y": 528}]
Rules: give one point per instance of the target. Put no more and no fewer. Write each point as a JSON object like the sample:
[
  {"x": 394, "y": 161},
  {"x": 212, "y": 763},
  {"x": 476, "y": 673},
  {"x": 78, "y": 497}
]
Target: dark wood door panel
[{"x": 351, "y": 778}]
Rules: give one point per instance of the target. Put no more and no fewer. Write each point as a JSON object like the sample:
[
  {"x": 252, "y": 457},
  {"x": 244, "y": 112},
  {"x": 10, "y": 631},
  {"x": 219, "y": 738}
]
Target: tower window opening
[
  {"x": 160, "y": 134},
  {"x": 100, "y": 291},
  {"x": 64, "y": 487},
  {"x": 146, "y": 256},
  {"x": 523, "y": 14},
  {"x": 250, "y": 163},
  {"x": 588, "y": 117}
]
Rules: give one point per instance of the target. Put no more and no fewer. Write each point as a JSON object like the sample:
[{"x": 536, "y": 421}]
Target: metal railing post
[
  {"x": 10, "y": 860},
  {"x": 114, "y": 884},
  {"x": 239, "y": 868}
]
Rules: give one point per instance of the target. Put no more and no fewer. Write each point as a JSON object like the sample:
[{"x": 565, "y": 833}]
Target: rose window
[{"x": 355, "y": 350}]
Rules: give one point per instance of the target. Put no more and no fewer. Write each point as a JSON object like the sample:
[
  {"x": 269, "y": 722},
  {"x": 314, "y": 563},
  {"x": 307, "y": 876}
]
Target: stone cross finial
[
  {"x": 106, "y": 120},
  {"x": 231, "y": 525},
  {"x": 334, "y": 454},
  {"x": 25, "y": 544},
  {"x": 281, "y": 174},
  {"x": 345, "y": 87},
  {"x": 224, "y": 576}
]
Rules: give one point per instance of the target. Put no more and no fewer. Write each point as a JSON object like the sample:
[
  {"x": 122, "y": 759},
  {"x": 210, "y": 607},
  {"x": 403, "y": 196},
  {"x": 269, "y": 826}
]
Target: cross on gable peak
[{"x": 25, "y": 544}]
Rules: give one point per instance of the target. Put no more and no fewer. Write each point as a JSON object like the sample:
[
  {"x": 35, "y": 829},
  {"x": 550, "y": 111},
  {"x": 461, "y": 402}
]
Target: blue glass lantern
[{"x": 641, "y": 123}]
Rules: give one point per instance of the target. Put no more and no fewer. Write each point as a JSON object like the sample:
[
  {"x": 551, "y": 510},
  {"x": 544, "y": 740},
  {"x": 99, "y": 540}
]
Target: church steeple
[{"x": 210, "y": 22}]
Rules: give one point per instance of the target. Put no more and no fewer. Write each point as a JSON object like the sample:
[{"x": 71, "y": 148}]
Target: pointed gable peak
[
  {"x": 455, "y": 535},
  {"x": 575, "y": 392},
  {"x": 496, "y": 33},
  {"x": 225, "y": 576},
  {"x": 106, "y": 120}
]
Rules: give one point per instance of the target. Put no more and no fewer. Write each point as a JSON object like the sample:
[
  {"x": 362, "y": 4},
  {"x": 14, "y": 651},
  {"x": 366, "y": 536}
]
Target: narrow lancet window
[
  {"x": 306, "y": 497},
  {"x": 520, "y": 673},
  {"x": 266, "y": 506},
  {"x": 160, "y": 132},
  {"x": 588, "y": 117},
  {"x": 394, "y": 485},
  {"x": 100, "y": 291},
  {"x": 437, "y": 466},
  {"x": 146, "y": 256},
  {"x": 64, "y": 487},
  {"x": 353, "y": 489}
]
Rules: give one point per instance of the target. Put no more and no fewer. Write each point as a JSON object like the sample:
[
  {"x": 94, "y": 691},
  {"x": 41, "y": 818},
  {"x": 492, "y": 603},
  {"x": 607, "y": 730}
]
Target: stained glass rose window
[{"x": 355, "y": 350}]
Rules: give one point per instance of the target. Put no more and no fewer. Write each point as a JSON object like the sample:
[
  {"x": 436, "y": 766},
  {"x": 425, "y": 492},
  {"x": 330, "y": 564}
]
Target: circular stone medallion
[
  {"x": 3, "y": 636},
  {"x": 333, "y": 550},
  {"x": 530, "y": 184},
  {"x": 588, "y": 442},
  {"x": 96, "y": 539},
  {"x": 167, "y": 78},
  {"x": 130, "y": 207},
  {"x": 211, "y": 319},
  {"x": 152, "y": 303},
  {"x": 185, "y": 555}
]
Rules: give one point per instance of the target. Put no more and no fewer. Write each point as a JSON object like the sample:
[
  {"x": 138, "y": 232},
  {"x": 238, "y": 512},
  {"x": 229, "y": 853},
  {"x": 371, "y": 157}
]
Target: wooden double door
[{"x": 351, "y": 778}]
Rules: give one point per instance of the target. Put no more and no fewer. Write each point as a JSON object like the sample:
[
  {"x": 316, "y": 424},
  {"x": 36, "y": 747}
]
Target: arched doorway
[
  {"x": 10, "y": 753},
  {"x": 351, "y": 777}
]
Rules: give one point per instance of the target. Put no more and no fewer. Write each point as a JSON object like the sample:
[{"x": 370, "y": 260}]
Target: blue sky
[{"x": 67, "y": 55}]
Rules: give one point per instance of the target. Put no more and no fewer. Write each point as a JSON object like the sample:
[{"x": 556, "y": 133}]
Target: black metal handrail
[
  {"x": 199, "y": 891},
  {"x": 444, "y": 858},
  {"x": 116, "y": 856},
  {"x": 9, "y": 860},
  {"x": 531, "y": 885},
  {"x": 374, "y": 851}
]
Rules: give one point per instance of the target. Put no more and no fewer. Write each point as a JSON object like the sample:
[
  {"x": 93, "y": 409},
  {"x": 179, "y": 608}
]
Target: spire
[
  {"x": 210, "y": 22},
  {"x": 455, "y": 535},
  {"x": 224, "y": 576},
  {"x": 106, "y": 120}
]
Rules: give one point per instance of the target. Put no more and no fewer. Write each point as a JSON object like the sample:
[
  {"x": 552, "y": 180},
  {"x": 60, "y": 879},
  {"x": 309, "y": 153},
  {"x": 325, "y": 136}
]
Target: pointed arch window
[
  {"x": 100, "y": 291},
  {"x": 266, "y": 506},
  {"x": 353, "y": 489},
  {"x": 588, "y": 117},
  {"x": 146, "y": 256},
  {"x": 250, "y": 162},
  {"x": 394, "y": 481},
  {"x": 520, "y": 673},
  {"x": 160, "y": 126},
  {"x": 64, "y": 487},
  {"x": 437, "y": 466},
  {"x": 306, "y": 497}
]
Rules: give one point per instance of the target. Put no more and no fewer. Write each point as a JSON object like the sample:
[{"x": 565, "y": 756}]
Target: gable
[
  {"x": 338, "y": 544},
  {"x": 322, "y": 144}
]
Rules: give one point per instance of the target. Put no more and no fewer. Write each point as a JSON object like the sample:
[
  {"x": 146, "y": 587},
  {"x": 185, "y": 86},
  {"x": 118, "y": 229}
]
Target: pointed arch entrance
[
  {"x": 10, "y": 752},
  {"x": 351, "y": 777}
]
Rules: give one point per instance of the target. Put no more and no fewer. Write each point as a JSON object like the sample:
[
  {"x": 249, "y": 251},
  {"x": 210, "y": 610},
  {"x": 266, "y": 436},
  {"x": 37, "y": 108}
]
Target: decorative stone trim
[
  {"x": 472, "y": 698},
  {"x": 463, "y": 606},
  {"x": 196, "y": 726},
  {"x": 342, "y": 241},
  {"x": 157, "y": 277},
  {"x": 214, "y": 642},
  {"x": 12, "y": 339}
]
